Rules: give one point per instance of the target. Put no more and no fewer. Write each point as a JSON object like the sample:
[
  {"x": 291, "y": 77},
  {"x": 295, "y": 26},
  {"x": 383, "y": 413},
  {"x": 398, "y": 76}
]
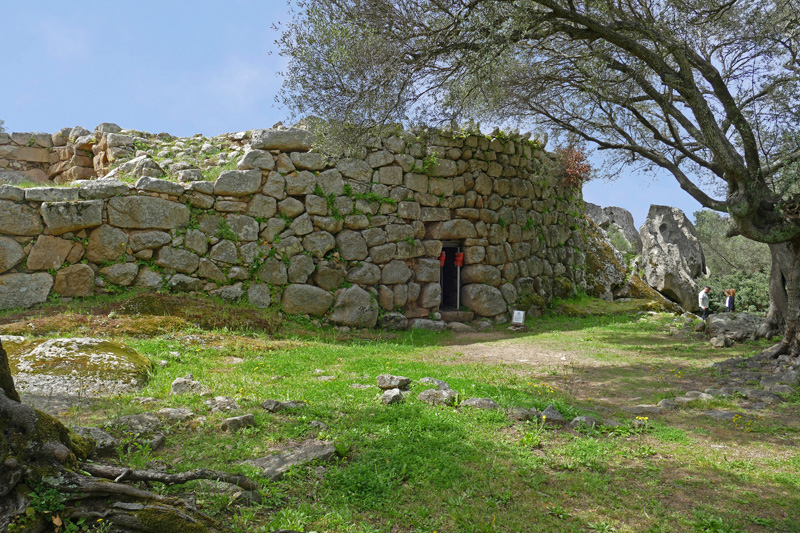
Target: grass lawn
[{"x": 415, "y": 467}]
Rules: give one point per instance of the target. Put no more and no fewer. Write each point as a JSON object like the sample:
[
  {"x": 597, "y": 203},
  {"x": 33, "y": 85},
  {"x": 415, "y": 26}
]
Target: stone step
[{"x": 457, "y": 316}]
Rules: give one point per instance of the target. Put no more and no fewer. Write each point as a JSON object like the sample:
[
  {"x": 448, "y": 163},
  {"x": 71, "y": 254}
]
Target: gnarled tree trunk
[
  {"x": 37, "y": 451},
  {"x": 784, "y": 308}
]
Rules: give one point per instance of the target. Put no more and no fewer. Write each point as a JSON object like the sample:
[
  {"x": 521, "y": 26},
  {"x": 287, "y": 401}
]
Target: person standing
[
  {"x": 702, "y": 300},
  {"x": 730, "y": 300}
]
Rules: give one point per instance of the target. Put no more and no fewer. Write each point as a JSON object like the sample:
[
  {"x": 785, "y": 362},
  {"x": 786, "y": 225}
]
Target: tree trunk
[
  {"x": 784, "y": 308},
  {"x": 39, "y": 453},
  {"x": 778, "y": 290}
]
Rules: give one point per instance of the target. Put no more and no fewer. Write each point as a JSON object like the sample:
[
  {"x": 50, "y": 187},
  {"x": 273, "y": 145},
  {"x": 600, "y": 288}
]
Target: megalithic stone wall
[{"x": 291, "y": 228}]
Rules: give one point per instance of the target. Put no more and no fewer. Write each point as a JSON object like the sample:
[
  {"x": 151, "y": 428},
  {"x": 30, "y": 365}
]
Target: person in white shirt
[{"x": 702, "y": 300}]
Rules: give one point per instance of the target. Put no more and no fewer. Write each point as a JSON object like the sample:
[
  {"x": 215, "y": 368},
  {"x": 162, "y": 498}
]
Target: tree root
[{"x": 119, "y": 473}]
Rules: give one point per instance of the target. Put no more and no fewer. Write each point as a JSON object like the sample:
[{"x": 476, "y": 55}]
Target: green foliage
[
  {"x": 728, "y": 255},
  {"x": 735, "y": 263},
  {"x": 224, "y": 231}
]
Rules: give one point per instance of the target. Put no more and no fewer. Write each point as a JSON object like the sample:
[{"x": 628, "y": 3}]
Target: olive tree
[{"x": 706, "y": 90}]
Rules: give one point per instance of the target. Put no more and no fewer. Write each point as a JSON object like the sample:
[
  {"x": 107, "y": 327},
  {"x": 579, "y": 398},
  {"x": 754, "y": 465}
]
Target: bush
[{"x": 752, "y": 291}]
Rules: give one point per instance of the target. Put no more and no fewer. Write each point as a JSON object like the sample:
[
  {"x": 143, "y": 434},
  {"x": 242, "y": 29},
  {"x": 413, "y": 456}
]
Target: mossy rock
[{"x": 75, "y": 366}]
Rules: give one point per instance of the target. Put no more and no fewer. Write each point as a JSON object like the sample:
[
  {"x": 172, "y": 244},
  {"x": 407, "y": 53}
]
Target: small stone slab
[
  {"x": 275, "y": 406},
  {"x": 552, "y": 416},
  {"x": 438, "y": 383},
  {"x": 722, "y": 415},
  {"x": 438, "y": 397},
  {"x": 480, "y": 403},
  {"x": 236, "y": 423},
  {"x": 666, "y": 404},
  {"x": 173, "y": 413},
  {"x": 392, "y": 396},
  {"x": 588, "y": 421},
  {"x": 222, "y": 403},
  {"x": 388, "y": 381},
  {"x": 104, "y": 444},
  {"x": 520, "y": 414},
  {"x": 187, "y": 385},
  {"x": 141, "y": 423},
  {"x": 274, "y": 466}
]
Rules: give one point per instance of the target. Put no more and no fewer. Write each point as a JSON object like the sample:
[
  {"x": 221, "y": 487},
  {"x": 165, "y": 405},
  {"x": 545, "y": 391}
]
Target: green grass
[{"x": 414, "y": 467}]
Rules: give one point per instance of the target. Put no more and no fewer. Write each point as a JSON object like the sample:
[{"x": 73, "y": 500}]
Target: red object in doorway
[
  {"x": 442, "y": 258},
  {"x": 459, "y": 259}
]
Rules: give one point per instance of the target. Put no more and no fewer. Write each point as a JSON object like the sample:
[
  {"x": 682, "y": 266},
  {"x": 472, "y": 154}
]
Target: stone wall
[{"x": 343, "y": 238}]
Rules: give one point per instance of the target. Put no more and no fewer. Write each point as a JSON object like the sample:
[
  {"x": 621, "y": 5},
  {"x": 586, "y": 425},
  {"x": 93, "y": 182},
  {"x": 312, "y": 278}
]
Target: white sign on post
[{"x": 517, "y": 318}]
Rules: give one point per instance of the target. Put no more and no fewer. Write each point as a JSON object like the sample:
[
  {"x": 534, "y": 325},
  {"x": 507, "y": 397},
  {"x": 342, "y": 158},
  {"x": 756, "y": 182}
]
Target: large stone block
[
  {"x": 238, "y": 183},
  {"x": 63, "y": 217},
  {"x": 451, "y": 230},
  {"x": 285, "y": 140},
  {"x": 483, "y": 300},
  {"x": 180, "y": 260},
  {"x": 306, "y": 299},
  {"x": 75, "y": 280},
  {"x": 11, "y": 253},
  {"x": 352, "y": 246},
  {"x": 395, "y": 272},
  {"x": 355, "y": 307},
  {"x": 486, "y": 274},
  {"x": 17, "y": 219},
  {"x": 106, "y": 243},
  {"x": 24, "y": 290},
  {"x": 146, "y": 212}
]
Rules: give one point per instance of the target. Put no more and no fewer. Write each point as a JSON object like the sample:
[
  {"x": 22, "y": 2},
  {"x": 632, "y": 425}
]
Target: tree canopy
[{"x": 708, "y": 90}]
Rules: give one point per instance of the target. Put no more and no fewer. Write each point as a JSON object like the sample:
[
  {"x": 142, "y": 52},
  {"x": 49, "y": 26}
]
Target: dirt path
[{"x": 499, "y": 348}]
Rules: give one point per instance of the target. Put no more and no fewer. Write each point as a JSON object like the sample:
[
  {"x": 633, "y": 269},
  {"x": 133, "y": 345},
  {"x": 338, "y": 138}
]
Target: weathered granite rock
[
  {"x": 221, "y": 404},
  {"x": 61, "y": 217},
  {"x": 425, "y": 323},
  {"x": 234, "y": 424},
  {"x": 104, "y": 444},
  {"x": 146, "y": 212},
  {"x": 355, "y": 307},
  {"x": 75, "y": 280},
  {"x": 393, "y": 321},
  {"x": 286, "y": 140},
  {"x": 101, "y": 188},
  {"x": 180, "y": 260},
  {"x": 150, "y": 184},
  {"x": 389, "y": 381},
  {"x": 306, "y": 299},
  {"x": 585, "y": 421},
  {"x": 480, "y": 403},
  {"x": 276, "y": 406},
  {"x": 142, "y": 240},
  {"x": 483, "y": 300},
  {"x": 238, "y": 183},
  {"x": 17, "y": 219},
  {"x": 672, "y": 257},
  {"x": 392, "y": 396},
  {"x": 275, "y": 466},
  {"x": 256, "y": 159},
  {"x": 77, "y": 367},
  {"x": 106, "y": 243},
  {"x": 187, "y": 385},
  {"x": 179, "y": 414},
  {"x": 258, "y": 294},
  {"x": 12, "y": 253},
  {"x": 438, "y": 397},
  {"x": 121, "y": 273},
  {"x": 551, "y": 415},
  {"x": 737, "y": 326}
]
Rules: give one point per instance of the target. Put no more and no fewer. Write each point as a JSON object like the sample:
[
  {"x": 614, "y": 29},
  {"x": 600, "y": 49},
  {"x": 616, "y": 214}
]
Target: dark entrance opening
[{"x": 450, "y": 277}]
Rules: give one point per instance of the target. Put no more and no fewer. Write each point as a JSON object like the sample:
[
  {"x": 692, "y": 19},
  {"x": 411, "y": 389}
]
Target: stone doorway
[{"x": 451, "y": 259}]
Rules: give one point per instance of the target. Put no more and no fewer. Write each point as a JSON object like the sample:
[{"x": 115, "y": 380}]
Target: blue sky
[{"x": 181, "y": 68}]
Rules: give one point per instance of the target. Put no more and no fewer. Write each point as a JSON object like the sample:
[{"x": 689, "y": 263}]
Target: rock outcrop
[{"x": 672, "y": 257}]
